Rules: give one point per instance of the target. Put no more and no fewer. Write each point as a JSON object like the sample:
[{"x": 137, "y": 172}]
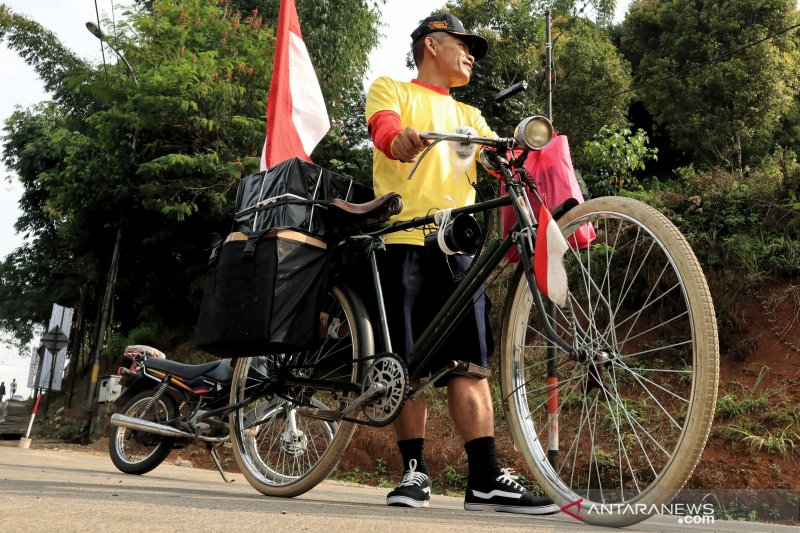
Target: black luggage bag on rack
[{"x": 266, "y": 280}]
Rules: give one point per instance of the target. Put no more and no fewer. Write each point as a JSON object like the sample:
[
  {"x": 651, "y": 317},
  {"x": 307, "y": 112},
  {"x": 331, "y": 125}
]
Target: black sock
[
  {"x": 482, "y": 460},
  {"x": 413, "y": 449}
]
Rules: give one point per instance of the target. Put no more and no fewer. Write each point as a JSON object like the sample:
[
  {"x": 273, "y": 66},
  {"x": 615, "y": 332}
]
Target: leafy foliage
[
  {"x": 744, "y": 223},
  {"x": 592, "y": 80},
  {"x": 721, "y": 111},
  {"x": 158, "y": 156},
  {"x": 587, "y": 65},
  {"x": 612, "y": 157},
  {"x": 41, "y": 49}
]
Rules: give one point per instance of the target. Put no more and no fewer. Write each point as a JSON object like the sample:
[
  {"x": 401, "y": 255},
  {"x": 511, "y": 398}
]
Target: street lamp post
[
  {"x": 95, "y": 30},
  {"x": 105, "y": 312}
]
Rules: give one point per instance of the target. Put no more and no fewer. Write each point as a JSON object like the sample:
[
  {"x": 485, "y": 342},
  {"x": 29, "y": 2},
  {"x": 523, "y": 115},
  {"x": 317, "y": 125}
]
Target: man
[
  {"x": 416, "y": 281},
  {"x": 13, "y": 387},
  {"x": 2, "y": 390}
]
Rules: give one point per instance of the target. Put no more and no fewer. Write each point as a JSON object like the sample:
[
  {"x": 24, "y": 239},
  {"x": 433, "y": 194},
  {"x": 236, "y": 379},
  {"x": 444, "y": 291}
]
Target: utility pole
[
  {"x": 105, "y": 313},
  {"x": 549, "y": 67}
]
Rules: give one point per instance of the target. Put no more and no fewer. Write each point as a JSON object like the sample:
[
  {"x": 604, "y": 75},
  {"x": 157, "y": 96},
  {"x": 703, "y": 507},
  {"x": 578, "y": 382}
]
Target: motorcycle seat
[
  {"x": 223, "y": 372},
  {"x": 187, "y": 371}
]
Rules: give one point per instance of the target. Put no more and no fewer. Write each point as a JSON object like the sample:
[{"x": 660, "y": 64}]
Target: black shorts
[{"x": 416, "y": 283}]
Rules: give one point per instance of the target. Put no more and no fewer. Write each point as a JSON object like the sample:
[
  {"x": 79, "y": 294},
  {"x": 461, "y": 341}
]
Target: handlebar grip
[{"x": 510, "y": 91}]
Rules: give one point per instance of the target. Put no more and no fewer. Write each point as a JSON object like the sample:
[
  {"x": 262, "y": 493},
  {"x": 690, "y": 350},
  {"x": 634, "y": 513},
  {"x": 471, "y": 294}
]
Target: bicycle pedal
[{"x": 471, "y": 369}]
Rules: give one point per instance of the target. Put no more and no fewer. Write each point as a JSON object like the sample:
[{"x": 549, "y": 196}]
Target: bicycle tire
[
  {"x": 137, "y": 452},
  {"x": 631, "y": 420},
  {"x": 276, "y": 459}
]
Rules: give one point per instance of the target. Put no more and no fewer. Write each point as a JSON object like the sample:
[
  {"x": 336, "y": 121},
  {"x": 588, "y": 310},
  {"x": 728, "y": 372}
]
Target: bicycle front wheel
[
  {"x": 614, "y": 432},
  {"x": 280, "y": 451}
]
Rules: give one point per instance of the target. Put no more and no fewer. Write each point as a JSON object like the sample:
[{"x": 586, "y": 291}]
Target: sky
[{"x": 19, "y": 86}]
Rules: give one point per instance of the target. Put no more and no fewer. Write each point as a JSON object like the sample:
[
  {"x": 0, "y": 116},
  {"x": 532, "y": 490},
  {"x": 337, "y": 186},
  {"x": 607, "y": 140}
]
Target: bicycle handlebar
[
  {"x": 501, "y": 143},
  {"x": 496, "y": 142}
]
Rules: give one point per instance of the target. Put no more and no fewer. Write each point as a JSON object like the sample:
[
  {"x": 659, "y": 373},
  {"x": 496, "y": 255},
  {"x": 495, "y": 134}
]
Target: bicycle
[{"x": 610, "y": 398}]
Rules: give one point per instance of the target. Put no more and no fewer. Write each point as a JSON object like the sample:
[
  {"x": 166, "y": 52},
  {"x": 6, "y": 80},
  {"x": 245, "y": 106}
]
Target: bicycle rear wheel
[
  {"x": 280, "y": 451},
  {"x": 615, "y": 433}
]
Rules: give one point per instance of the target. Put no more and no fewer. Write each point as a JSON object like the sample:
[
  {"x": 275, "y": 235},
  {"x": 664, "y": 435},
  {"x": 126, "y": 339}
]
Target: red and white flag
[
  {"x": 548, "y": 261},
  {"x": 296, "y": 115}
]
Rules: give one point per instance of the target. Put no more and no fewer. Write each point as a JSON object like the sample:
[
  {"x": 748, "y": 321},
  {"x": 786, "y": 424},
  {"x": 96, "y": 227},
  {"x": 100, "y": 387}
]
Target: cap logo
[{"x": 438, "y": 25}]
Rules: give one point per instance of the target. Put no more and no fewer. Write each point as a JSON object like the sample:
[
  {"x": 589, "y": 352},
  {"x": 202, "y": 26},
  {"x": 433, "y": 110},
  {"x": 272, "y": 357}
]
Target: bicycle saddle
[{"x": 377, "y": 210}]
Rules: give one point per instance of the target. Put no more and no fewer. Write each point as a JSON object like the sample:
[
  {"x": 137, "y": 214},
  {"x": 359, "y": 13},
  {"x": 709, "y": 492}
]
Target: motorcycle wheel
[
  {"x": 280, "y": 451},
  {"x": 137, "y": 452}
]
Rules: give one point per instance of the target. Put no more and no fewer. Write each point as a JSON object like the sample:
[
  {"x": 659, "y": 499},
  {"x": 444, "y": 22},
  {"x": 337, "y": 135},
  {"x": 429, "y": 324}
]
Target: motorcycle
[{"x": 168, "y": 405}]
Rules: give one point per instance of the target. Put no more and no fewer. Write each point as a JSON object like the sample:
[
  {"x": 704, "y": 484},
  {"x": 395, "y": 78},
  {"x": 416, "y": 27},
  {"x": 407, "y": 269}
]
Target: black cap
[{"x": 448, "y": 23}]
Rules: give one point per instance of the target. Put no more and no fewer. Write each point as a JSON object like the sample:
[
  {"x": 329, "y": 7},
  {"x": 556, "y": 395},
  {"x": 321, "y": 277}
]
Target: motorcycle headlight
[{"x": 534, "y": 133}]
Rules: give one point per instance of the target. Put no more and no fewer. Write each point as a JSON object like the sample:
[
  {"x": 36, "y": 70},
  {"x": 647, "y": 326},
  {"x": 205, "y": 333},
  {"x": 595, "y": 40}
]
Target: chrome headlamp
[{"x": 534, "y": 133}]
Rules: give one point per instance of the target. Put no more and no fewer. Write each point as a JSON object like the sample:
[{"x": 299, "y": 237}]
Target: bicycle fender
[{"x": 562, "y": 208}]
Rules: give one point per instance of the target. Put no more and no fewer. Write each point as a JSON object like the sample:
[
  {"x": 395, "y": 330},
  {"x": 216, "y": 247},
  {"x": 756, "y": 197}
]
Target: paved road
[{"x": 69, "y": 491}]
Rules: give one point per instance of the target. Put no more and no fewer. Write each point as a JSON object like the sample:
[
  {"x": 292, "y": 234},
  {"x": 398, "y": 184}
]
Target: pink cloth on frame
[{"x": 554, "y": 176}]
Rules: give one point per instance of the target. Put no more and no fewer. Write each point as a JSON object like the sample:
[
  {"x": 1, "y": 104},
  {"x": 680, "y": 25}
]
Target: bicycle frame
[
  {"x": 461, "y": 299},
  {"x": 609, "y": 398},
  {"x": 523, "y": 235}
]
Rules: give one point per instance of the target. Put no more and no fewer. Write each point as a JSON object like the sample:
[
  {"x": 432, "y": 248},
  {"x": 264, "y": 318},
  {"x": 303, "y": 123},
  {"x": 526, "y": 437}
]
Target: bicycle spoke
[{"x": 280, "y": 450}]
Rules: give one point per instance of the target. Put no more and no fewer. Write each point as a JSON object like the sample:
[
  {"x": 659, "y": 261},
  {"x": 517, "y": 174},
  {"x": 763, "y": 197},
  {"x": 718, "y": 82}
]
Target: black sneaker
[
  {"x": 506, "y": 495},
  {"x": 413, "y": 491}
]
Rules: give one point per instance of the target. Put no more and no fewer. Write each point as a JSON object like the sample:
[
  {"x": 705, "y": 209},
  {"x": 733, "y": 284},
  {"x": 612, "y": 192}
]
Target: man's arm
[{"x": 389, "y": 137}]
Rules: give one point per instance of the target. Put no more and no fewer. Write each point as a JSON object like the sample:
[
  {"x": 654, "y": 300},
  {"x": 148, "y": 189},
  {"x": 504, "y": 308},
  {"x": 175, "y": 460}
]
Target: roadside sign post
[
  {"x": 54, "y": 340},
  {"x": 33, "y": 415}
]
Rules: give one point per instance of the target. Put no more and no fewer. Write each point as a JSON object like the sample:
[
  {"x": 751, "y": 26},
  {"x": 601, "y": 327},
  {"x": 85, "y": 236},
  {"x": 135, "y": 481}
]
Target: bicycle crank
[
  {"x": 383, "y": 392},
  {"x": 389, "y": 372}
]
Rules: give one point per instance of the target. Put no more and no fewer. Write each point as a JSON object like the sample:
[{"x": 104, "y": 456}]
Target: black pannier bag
[
  {"x": 266, "y": 281},
  {"x": 282, "y": 198}
]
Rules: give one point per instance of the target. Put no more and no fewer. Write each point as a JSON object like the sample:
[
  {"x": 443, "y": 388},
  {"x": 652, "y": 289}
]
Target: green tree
[
  {"x": 587, "y": 67},
  {"x": 592, "y": 80},
  {"x": 718, "y": 110},
  {"x": 159, "y": 158},
  {"x": 613, "y": 157},
  {"x": 45, "y": 269}
]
